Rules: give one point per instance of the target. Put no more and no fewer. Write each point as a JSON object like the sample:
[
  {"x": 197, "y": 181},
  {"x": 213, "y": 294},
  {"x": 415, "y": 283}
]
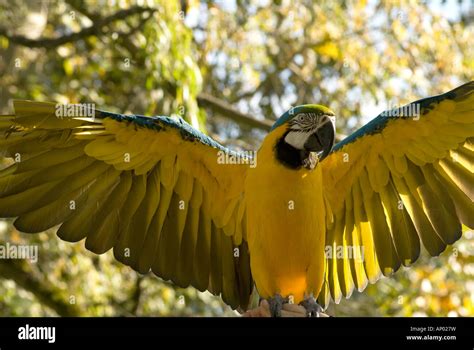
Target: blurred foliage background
[{"x": 230, "y": 68}]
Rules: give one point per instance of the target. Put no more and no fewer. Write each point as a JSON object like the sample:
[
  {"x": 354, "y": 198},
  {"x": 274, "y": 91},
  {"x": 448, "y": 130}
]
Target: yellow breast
[{"x": 285, "y": 225}]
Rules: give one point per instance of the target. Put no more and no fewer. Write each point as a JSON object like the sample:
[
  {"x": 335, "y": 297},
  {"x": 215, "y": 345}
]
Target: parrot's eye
[{"x": 304, "y": 119}]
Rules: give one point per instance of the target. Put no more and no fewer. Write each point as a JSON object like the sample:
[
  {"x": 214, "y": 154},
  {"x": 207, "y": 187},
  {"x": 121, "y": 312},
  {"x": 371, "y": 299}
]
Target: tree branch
[
  {"x": 98, "y": 28},
  {"x": 137, "y": 293},
  {"x": 80, "y": 6},
  {"x": 226, "y": 110},
  {"x": 46, "y": 294}
]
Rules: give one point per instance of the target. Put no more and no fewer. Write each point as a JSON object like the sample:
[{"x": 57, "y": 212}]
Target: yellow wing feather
[
  {"x": 150, "y": 188},
  {"x": 399, "y": 181}
]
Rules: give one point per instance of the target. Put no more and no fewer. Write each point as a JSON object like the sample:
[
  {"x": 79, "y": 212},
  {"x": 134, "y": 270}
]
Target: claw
[
  {"x": 276, "y": 305},
  {"x": 312, "y": 307}
]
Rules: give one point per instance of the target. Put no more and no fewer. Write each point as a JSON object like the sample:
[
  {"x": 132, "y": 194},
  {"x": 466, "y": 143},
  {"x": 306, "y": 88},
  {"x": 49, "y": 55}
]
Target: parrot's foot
[
  {"x": 276, "y": 305},
  {"x": 312, "y": 307}
]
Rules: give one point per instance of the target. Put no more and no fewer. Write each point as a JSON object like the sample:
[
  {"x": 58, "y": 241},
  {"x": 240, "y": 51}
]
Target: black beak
[{"x": 321, "y": 141}]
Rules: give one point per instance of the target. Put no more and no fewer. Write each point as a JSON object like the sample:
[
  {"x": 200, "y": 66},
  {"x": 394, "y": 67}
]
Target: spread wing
[
  {"x": 395, "y": 182},
  {"x": 151, "y": 188}
]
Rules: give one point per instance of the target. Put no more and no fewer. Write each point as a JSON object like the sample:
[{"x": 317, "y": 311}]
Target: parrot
[{"x": 303, "y": 220}]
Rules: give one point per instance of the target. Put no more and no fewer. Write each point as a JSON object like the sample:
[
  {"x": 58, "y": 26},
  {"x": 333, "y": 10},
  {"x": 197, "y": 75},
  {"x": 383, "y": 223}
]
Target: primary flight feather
[{"x": 309, "y": 220}]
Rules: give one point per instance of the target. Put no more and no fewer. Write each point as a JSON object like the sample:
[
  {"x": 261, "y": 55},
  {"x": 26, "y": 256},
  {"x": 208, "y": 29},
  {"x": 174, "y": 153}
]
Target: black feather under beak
[{"x": 321, "y": 141}]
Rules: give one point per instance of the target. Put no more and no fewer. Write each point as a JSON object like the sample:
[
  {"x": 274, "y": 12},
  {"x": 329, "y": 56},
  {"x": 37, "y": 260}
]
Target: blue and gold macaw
[{"x": 154, "y": 190}]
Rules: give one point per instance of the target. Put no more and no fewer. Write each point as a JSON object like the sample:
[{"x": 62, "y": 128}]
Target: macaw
[{"x": 310, "y": 222}]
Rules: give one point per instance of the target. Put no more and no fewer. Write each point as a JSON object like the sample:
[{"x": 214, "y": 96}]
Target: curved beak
[{"x": 321, "y": 141}]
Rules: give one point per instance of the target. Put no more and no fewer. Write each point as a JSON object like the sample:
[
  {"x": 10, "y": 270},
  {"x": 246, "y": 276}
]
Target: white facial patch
[
  {"x": 303, "y": 126},
  {"x": 297, "y": 139}
]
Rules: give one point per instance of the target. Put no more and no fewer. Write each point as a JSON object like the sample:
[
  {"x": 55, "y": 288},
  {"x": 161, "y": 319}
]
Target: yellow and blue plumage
[{"x": 151, "y": 189}]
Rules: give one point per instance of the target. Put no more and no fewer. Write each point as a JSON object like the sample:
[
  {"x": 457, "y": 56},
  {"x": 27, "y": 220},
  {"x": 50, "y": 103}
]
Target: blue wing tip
[
  {"x": 160, "y": 123},
  {"x": 377, "y": 124}
]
